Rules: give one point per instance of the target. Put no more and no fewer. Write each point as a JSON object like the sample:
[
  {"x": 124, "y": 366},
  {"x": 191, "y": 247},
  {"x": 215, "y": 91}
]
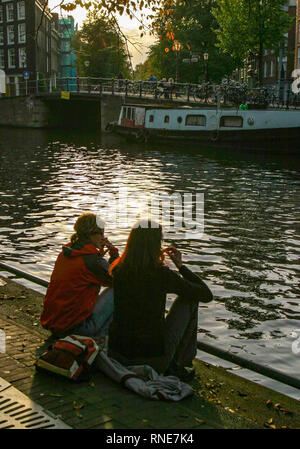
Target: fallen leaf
[
  {"x": 270, "y": 421},
  {"x": 269, "y": 402},
  {"x": 200, "y": 421},
  {"x": 277, "y": 406},
  {"x": 77, "y": 405},
  {"x": 56, "y": 395},
  {"x": 91, "y": 384},
  {"x": 145, "y": 420}
]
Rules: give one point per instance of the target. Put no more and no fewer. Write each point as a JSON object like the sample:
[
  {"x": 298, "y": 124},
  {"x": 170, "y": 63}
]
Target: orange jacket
[{"x": 78, "y": 275}]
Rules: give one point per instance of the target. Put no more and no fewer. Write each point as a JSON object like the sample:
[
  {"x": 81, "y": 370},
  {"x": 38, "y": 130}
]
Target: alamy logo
[
  {"x": 296, "y": 343},
  {"x": 296, "y": 83},
  {"x": 180, "y": 214},
  {"x": 2, "y": 342}
]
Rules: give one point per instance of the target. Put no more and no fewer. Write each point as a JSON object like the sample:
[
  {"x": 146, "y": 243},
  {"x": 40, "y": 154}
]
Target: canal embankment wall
[{"x": 51, "y": 111}]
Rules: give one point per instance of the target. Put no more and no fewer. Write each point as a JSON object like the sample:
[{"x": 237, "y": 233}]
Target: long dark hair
[{"x": 142, "y": 254}]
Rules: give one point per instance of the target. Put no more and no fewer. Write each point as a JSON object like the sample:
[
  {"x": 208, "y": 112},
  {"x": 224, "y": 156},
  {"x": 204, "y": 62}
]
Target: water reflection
[{"x": 250, "y": 248}]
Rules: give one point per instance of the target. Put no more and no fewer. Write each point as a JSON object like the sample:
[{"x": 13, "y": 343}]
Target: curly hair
[{"x": 86, "y": 225}]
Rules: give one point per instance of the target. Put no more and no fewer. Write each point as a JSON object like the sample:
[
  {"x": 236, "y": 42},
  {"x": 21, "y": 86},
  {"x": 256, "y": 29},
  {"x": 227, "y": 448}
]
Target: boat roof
[{"x": 157, "y": 106}]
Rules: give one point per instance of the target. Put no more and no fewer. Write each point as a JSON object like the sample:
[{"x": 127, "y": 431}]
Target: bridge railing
[{"x": 227, "y": 93}]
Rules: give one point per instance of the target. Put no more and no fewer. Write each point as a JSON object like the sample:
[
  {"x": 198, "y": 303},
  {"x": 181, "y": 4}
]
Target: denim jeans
[{"x": 97, "y": 324}]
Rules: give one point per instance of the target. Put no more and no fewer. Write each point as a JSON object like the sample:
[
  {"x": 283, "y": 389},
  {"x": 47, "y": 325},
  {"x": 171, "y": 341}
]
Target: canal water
[{"x": 248, "y": 253}]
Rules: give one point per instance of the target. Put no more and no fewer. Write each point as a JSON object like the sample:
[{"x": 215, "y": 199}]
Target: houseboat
[{"x": 267, "y": 129}]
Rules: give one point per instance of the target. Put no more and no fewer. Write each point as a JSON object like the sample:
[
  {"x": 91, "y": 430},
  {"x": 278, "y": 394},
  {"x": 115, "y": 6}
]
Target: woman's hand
[
  {"x": 175, "y": 255},
  {"x": 110, "y": 247}
]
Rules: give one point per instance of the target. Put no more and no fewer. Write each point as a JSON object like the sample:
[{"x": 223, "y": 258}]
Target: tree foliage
[
  {"x": 99, "y": 43},
  {"x": 182, "y": 31},
  {"x": 251, "y": 26},
  {"x": 112, "y": 7}
]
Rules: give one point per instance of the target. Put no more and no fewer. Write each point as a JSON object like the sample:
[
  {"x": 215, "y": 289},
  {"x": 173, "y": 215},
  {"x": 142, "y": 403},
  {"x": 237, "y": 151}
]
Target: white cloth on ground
[{"x": 144, "y": 380}]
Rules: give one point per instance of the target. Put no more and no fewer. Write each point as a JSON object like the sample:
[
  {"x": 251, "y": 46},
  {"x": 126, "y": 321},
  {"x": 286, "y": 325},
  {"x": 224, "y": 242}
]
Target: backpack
[{"x": 70, "y": 357}]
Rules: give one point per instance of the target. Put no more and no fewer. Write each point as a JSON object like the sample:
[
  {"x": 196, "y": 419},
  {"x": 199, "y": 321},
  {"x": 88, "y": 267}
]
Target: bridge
[{"x": 93, "y": 102}]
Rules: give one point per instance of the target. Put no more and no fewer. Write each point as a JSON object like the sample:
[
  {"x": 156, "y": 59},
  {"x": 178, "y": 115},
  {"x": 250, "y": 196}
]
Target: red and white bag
[{"x": 70, "y": 357}]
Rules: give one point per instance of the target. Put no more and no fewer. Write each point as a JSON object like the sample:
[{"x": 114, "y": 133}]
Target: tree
[
  {"x": 185, "y": 30},
  {"x": 251, "y": 26},
  {"x": 102, "y": 46},
  {"x": 112, "y": 7}
]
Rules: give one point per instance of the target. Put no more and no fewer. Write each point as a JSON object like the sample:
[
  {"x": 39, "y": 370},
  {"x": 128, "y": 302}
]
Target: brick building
[
  {"x": 297, "y": 43},
  {"x": 29, "y": 41},
  {"x": 278, "y": 64}
]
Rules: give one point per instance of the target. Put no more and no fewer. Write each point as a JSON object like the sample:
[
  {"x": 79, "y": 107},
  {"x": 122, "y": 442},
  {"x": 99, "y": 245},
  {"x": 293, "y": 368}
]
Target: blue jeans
[{"x": 97, "y": 324}]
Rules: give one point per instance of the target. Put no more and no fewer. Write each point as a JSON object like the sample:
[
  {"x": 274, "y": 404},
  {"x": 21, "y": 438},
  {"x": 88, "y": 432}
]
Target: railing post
[
  {"x": 113, "y": 86},
  {"x": 141, "y": 89},
  {"x": 100, "y": 88},
  {"x": 188, "y": 92},
  {"x": 126, "y": 88},
  {"x": 288, "y": 98},
  {"x": 89, "y": 86}
]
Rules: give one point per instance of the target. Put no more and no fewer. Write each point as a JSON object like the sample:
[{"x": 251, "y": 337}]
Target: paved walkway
[{"x": 101, "y": 404}]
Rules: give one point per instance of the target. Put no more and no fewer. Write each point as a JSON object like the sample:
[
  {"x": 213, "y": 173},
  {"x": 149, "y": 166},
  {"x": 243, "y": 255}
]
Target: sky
[{"x": 129, "y": 28}]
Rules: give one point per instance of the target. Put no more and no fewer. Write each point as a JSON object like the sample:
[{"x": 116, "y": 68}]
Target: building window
[
  {"x": 195, "y": 120},
  {"x": 167, "y": 119},
  {"x": 10, "y": 12},
  {"x": 1, "y": 14},
  {"x": 151, "y": 118},
  {"x": 231, "y": 122},
  {"x": 11, "y": 58},
  {"x": 10, "y": 34},
  {"x": 1, "y": 35},
  {"x": 22, "y": 57},
  {"x": 2, "y": 65},
  {"x": 22, "y": 33},
  {"x": 179, "y": 119},
  {"x": 21, "y": 10}
]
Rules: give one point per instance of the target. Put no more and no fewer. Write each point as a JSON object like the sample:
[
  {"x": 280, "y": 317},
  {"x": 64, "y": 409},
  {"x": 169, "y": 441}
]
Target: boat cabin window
[
  {"x": 195, "y": 120},
  {"x": 167, "y": 119},
  {"x": 179, "y": 119},
  {"x": 129, "y": 113},
  {"x": 151, "y": 118},
  {"x": 231, "y": 122}
]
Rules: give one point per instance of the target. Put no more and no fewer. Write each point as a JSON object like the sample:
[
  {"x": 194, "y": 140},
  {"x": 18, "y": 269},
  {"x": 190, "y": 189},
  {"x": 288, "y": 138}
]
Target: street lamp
[
  {"x": 177, "y": 47},
  {"x": 206, "y": 56},
  {"x": 87, "y": 64}
]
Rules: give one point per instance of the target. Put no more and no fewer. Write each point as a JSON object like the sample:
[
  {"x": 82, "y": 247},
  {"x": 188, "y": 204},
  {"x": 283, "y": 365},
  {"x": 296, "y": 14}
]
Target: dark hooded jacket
[{"x": 78, "y": 275}]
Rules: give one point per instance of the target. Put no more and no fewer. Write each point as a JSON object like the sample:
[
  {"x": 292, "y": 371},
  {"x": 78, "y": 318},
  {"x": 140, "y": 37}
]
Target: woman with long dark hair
[{"x": 139, "y": 332}]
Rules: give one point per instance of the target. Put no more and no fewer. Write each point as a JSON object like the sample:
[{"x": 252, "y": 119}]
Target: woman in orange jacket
[{"x": 72, "y": 303}]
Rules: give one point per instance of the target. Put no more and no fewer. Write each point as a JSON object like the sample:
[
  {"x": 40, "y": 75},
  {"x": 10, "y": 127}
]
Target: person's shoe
[{"x": 184, "y": 374}]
